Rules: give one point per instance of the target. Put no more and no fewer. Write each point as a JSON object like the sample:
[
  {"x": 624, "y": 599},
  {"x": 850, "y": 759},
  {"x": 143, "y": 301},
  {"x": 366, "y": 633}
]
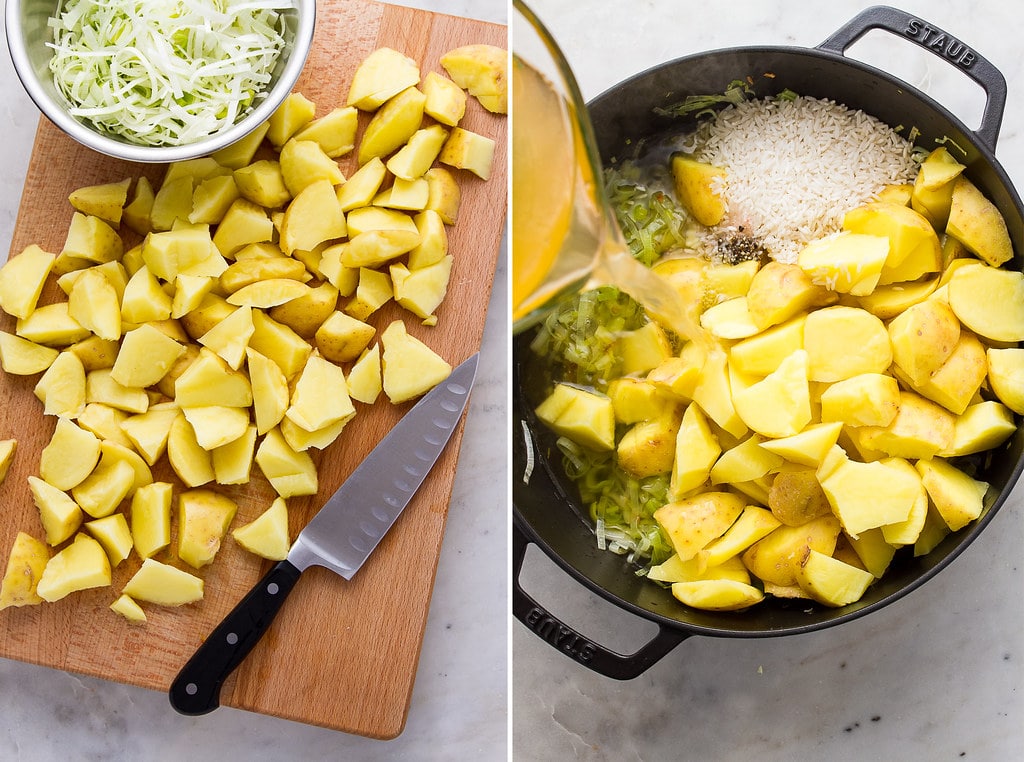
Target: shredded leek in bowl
[{"x": 165, "y": 72}]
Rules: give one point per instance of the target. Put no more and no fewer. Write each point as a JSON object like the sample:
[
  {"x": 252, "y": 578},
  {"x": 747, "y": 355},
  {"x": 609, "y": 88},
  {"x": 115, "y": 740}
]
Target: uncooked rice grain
[{"x": 795, "y": 167}]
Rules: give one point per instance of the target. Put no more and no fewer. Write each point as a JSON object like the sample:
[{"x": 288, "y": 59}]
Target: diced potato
[
  {"x": 381, "y": 75},
  {"x": 305, "y": 314},
  {"x": 365, "y": 382},
  {"x": 203, "y": 519},
  {"x": 482, "y": 70},
  {"x": 649, "y": 447},
  {"x": 290, "y": 472},
  {"x": 414, "y": 158},
  {"x": 977, "y": 223},
  {"x": 211, "y": 381},
  {"x": 850, "y": 263},
  {"x": 779, "y": 405},
  {"x": 869, "y": 495},
  {"x": 780, "y": 291},
  {"x": 190, "y": 462},
  {"x": 745, "y": 462},
  {"x": 21, "y": 357},
  {"x": 956, "y": 496},
  {"x": 989, "y": 301},
  {"x": 334, "y": 132},
  {"x": 100, "y": 493},
  {"x": 830, "y": 581},
  {"x": 292, "y": 115},
  {"x": 312, "y": 217},
  {"x": 244, "y": 223},
  {"x": 81, "y": 565},
  {"x": 421, "y": 291},
  {"x": 70, "y": 455},
  {"x": 932, "y": 192},
  {"x": 982, "y": 426},
  {"x": 146, "y": 356},
  {"x": 136, "y": 214},
  {"x": 698, "y": 187},
  {"x": 232, "y": 462},
  {"x": 697, "y": 449},
  {"x": 25, "y": 567},
  {"x": 717, "y": 594},
  {"x": 21, "y": 280},
  {"x": 445, "y": 195},
  {"x": 280, "y": 343},
  {"x": 241, "y": 152},
  {"x": 262, "y": 183},
  {"x": 807, "y": 448},
  {"x": 92, "y": 239},
  {"x": 62, "y": 387},
  {"x": 923, "y": 337},
  {"x": 776, "y": 557},
  {"x": 753, "y": 524},
  {"x": 392, "y": 125},
  {"x": 692, "y": 523},
  {"x": 585, "y": 417},
  {"x": 372, "y": 293},
  {"x": 360, "y": 189},
  {"x": 304, "y": 162},
  {"x": 886, "y": 302},
  {"x": 796, "y": 497},
  {"x": 164, "y": 585},
  {"x": 148, "y": 431},
  {"x": 844, "y": 341},
  {"x": 468, "y": 150},
  {"x": 1006, "y": 376},
  {"x": 113, "y": 534},
  {"x": 212, "y": 198},
  {"x": 445, "y": 100},
  {"x": 51, "y": 325},
  {"x": 867, "y": 399},
  {"x": 144, "y": 299},
  {"x": 105, "y": 201},
  {"x": 729, "y": 320},
  {"x": 714, "y": 396},
  {"x": 267, "y": 534},
  {"x": 761, "y": 354},
  {"x": 921, "y": 429},
  {"x": 955, "y": 384},
  {"x": 126, "y": 606},
  {"x": 172, "y": 202},
  {"x": 320, "y": 396}
]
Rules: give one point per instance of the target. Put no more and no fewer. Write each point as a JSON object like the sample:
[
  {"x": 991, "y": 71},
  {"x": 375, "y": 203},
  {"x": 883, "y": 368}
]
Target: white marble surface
[
  {"x": 940, "y": 674},
  {"x": 458, "y": 708}
]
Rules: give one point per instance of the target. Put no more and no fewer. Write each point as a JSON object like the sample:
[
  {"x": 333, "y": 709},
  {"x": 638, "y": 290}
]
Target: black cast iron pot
[{"x": 546, "y": 510}]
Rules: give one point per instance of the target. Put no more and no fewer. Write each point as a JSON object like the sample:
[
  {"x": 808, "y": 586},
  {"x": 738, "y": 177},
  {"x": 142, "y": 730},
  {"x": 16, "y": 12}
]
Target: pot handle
[
  {"x": 940, "y": 43},
  {"x": 578, "y": 647}
]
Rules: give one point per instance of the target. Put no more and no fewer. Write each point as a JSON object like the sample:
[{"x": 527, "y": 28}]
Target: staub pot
[{"x": 546, "y": 509}]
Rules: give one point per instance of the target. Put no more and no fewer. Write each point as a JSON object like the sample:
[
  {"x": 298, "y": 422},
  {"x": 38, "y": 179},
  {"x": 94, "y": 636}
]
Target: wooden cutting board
[{"x": 341, "y": 654}]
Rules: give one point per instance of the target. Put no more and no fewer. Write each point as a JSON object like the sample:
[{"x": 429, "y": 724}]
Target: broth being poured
[{"x": 564, "y": 235}]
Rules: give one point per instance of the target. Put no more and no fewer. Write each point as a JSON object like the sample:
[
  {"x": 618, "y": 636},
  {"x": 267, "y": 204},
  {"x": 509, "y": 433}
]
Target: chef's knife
[{"x": 339, "y": 537}]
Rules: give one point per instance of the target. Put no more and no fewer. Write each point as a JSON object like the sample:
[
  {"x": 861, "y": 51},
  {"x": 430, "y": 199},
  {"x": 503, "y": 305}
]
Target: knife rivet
[
  {"x": 191, "y": 689},
  {"x": 272, "y": 588},
  {"x": 232, "y": 638}
]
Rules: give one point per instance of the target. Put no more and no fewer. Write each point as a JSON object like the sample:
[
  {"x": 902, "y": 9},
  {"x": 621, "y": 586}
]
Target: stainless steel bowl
[{"x": 27, "y": 37}]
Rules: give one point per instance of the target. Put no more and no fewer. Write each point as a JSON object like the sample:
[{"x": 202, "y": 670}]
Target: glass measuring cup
[{"x": 564, "y": 231}]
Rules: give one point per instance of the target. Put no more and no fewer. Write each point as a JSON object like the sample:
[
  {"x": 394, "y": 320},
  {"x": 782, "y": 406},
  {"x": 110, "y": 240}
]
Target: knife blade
[{"x": 340, "y": 537}]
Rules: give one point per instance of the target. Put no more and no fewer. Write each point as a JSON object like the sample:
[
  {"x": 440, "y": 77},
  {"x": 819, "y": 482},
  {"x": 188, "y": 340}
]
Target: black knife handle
[{"x": 196, "y": 689}]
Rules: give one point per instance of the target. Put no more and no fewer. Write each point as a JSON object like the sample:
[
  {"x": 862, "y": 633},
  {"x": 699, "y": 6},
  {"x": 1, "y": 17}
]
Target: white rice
[{"x": 794, "y": 168}]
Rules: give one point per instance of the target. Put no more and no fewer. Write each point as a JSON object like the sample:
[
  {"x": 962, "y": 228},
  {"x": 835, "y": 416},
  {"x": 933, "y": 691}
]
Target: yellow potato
[
  {"x": 780, "y": 291},
  {"x": 164, "y": 585},
  {"x": 25, "y": 566},
  {"x": 392, "y": 125},
  {"x": 113, "y": 534},
  {"x": 381, "y": 75},
  {"x": 844, "y": 341},
  {"x": 830, "y": 581},
  {"x": 203, "y": 519},
  {"x": 482, "y": 70},
  {"x": 694, "y": 522},
  {"x": 585, "y": 417},
  {"x": 989, "y": 301},
  {"x": 335, "y": 132},
  {"x": 292, "y": 115},
  {"x": 105, "y": 201},
  {"x": 445, "y": 100},
  {"x": 468, "y": 150},
  {"x": 21, "y": 280},
  {"x": 649, "y": 447},
  {"x": 850, "y": 263},
  {"x": 81, "y": 565},
  {"x": 698, "y": 187},
  {"x": 267, "y": 534},
  {"x": 977, "y": 223}
]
